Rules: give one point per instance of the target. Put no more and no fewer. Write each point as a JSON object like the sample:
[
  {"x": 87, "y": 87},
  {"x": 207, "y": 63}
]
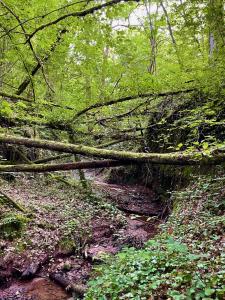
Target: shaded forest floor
[
  {"x": 66, "y": 230},
  {"x": 67, "y": 235},
  {"x": 184, "y": 261}
]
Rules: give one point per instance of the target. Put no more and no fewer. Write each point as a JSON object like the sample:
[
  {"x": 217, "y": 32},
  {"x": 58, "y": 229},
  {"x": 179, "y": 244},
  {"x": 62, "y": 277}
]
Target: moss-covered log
[
  {"x": 174, "y": 158},
  {"x": 39, "y": 168}
]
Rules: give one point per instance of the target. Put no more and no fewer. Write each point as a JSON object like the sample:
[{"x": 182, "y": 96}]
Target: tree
[{"x": 83, "y": 70}]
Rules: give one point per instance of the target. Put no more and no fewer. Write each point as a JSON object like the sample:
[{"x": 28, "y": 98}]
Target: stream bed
[
  {"x": 142, "y": 213},
  {"x": 35, "y": 289}
]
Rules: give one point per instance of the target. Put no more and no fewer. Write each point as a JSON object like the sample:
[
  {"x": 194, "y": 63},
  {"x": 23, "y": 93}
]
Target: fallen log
[
  {"x": 12, "y": 202},
  {"x": 173, "y": 158},
  {"x": 63, "y": 167},
  {"x": 78, "y": 289}
]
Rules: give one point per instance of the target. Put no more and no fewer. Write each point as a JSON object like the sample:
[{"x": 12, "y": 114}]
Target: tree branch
[
  {"x": 22, "y": 87},
  {"x": 77, "y": 14},
  {"x": 21, "y": 98},
  {"x": 128, "y": 98}
]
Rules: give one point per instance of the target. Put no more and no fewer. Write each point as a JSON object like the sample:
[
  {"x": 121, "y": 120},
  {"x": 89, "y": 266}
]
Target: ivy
[{"x": 185, "y": 261}]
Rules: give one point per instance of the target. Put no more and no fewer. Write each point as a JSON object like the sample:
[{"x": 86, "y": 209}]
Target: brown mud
[{"x": 142, "y": 215}]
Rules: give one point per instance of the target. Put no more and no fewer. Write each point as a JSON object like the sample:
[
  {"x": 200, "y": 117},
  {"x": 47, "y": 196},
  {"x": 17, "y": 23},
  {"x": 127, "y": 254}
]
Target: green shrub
[
  {"x": 185, "y": 261},
  {"x": 163, "y": 270},
  {"x": 11, "y": 225}
]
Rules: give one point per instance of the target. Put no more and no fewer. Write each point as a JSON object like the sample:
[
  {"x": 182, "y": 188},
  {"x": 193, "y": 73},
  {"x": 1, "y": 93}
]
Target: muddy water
[{"x": 37, "y": 289}]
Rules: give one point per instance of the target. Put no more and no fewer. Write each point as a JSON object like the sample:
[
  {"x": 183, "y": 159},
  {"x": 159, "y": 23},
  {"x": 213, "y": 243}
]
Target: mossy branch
[
  {"x": 12, "y": 202},
  {"x": 40, "y": 168}
]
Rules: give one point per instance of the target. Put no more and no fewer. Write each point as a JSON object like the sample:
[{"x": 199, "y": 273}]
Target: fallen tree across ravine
[
  {"x": 39, "y": 168},
  {"x": 115, "y": 157}
]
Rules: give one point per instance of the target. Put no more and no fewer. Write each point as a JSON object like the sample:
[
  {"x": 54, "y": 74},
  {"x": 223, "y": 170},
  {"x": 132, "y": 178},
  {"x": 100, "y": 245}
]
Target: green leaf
[{"x": 209, "y": 291}]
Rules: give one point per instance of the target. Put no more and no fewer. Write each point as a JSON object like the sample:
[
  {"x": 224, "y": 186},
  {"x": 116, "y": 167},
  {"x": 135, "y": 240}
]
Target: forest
[{"x": 112, "y": 150}]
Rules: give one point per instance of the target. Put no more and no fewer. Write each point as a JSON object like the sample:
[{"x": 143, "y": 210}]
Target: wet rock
[
  {"x": 78, "y": 289},
  {"x": 31, "y": 271},
  {"x": 67, "y": 266},
  {"x": 96, "y": 252}
]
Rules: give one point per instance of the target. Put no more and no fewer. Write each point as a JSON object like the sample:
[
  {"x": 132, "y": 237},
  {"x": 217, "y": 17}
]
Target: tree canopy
[
  {"x": 95, "y": 72},
  {"x": 135, "y": 89}
]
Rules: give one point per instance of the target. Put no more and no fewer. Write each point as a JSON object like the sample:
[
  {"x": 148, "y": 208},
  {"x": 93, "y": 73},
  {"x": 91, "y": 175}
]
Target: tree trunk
[
  {"x": 215, "y": 18},
  {"x": 174, "y": 158},
  {"x": 63, "y": 167}
]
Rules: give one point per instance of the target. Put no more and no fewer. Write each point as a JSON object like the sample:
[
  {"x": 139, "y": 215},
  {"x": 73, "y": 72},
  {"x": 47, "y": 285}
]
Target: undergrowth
[
  {"x": 62, "y": 213},
  {"x": 11, "y": 225},
  {"x": 185, "y": 261}
]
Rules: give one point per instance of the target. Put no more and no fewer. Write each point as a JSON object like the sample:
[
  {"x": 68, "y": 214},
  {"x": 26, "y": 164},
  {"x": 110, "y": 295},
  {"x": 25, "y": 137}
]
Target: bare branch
[
  {"x": 35, "y": 69},
  {"x": 128, "y": 98}
]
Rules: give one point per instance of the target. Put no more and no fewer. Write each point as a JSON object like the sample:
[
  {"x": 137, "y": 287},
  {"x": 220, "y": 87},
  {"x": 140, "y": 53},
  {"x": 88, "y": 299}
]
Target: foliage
[
  {"x": 11, "y": 225},
  {"x": 55, "y": 63},
  {"x": 124, "y": 49},
  {"x": 186, "y": 261}
]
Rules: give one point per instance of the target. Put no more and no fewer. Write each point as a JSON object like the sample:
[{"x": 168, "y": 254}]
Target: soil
[
  {"x": 129, "y": 215},
  {"x": 36, "y": 289}
]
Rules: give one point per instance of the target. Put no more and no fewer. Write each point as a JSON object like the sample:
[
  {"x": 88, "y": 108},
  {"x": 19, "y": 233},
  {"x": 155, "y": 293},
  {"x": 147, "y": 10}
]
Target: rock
[
  {"x": 95, "y": 252},
  {"x": 67, "y": 266},
  {"x": 78, "y": 289},
  {"x": 31, "y": 271}
]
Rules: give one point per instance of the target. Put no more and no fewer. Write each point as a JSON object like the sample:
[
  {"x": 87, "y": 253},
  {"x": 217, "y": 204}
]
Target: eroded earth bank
[{"x": 50, "y": 243}]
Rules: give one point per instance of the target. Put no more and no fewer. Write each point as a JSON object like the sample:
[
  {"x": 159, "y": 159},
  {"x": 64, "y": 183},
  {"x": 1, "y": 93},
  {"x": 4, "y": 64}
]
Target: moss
[
  {"x": 12, "y": 225},
  {"x": 67, "y": 244}
]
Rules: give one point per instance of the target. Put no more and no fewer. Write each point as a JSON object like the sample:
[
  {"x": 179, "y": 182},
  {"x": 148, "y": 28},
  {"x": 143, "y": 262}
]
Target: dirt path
[{"x": 128, "y": 215}]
